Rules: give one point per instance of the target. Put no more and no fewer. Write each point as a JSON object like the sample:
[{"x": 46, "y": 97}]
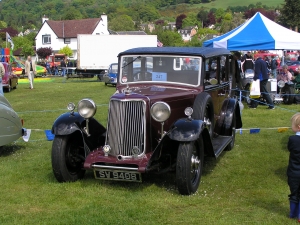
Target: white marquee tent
[{"x": 257, "y": 33}]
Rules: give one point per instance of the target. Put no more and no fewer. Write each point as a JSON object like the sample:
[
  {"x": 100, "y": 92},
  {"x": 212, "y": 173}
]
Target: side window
[{"x": 212, "y": 70}]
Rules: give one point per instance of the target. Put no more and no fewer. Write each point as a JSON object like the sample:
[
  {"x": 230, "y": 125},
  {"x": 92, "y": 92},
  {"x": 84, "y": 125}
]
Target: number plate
[{"x": 118, "y": 175}]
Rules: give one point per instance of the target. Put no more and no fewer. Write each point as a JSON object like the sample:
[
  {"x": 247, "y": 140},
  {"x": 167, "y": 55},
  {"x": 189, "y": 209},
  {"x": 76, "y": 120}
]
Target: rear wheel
[
  {"x": 68, "y": 157},
  {"x": 288, "y": 97},
  {"x": 232, "y": 127},
  {"x": 189, "y": 166}
]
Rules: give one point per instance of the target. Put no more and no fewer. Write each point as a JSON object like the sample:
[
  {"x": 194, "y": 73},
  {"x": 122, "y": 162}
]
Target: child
[{"x": 293, "y": 170}]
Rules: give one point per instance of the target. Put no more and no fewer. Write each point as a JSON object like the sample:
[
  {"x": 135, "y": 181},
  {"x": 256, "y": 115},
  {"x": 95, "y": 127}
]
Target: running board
[{"x": 219, "y": 144}]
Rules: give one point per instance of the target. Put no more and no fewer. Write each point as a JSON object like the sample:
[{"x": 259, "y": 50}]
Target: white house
[
  {"x": 58, "y": 34},
  {"x": 188, "y": 32}
]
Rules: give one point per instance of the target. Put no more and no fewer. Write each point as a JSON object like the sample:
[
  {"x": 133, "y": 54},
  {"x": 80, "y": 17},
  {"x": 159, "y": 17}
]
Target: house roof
[{"x": 70, "y": 28}]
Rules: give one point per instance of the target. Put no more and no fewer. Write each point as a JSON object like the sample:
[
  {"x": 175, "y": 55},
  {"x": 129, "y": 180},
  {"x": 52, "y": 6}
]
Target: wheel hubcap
[
  {"x": 207, "y": 122},
  {"x": 195, "y": 162}
]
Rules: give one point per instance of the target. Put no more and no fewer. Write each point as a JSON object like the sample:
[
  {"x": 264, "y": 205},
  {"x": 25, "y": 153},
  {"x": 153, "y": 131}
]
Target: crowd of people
[{"x": 263, "y": 69}]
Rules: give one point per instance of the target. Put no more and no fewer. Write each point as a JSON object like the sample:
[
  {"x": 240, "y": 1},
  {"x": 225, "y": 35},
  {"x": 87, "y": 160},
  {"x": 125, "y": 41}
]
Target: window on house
[
  {"x": 67, "y": 40},
  {"x": 46, "y": 39}
]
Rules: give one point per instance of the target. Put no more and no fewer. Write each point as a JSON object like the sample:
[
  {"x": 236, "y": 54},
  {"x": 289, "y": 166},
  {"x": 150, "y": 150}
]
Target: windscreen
[{"x": 163, "y": 68}]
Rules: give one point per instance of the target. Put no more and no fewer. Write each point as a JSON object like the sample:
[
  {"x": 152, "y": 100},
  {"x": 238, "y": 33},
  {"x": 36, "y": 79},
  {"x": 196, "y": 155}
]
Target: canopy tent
[{"x": 257, "y": 33}]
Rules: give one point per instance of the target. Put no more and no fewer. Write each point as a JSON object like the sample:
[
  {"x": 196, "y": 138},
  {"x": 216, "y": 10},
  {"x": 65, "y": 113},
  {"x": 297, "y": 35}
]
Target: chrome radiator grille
[{"x": 126, "y": 127}]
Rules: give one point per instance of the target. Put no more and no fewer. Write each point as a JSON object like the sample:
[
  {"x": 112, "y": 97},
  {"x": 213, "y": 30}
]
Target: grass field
[
  {"x": 244, "y": 186},
  {"x": 225, "y": 3}
]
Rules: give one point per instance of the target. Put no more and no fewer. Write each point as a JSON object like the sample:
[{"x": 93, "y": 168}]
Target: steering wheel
[{"x": 139, "y": 76}]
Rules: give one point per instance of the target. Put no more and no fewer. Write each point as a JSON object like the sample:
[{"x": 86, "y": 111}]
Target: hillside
[{"x": 28, "y": 13}]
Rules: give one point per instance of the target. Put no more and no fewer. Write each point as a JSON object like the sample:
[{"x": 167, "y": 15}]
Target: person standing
[
  {"x": 261, "y": 73},
  {"x": 2, "y": 72},
  {"x": 30, "y": 70},
  {"x": 274, "y": 65},
  {"x": 293, "y": 169},
  {"x": 247, "y": 62},
  {"x": 63, "y": 67},
  {"x": 48, "y": 68}
]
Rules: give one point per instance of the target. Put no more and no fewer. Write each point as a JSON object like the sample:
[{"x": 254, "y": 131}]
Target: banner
[{"x": 8, "y": 38}]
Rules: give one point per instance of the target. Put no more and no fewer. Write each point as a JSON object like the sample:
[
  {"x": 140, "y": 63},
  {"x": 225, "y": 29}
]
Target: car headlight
[
  {"x": 281, "y": 83},
  {"x": 87, "y": 108},
  {"x": 71, "y": 106},
  {"x": 160, "y": 111}
]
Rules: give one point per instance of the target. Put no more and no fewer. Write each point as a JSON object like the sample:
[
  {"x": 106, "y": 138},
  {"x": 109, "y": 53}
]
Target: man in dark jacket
[{"x": 261, "y": 73}]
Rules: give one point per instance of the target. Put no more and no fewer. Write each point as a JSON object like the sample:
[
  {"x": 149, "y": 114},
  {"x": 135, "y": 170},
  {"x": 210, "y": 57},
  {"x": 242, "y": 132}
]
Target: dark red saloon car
[
  {"x": 10, "y": 79},
  {"x": 172, "y": 108}
]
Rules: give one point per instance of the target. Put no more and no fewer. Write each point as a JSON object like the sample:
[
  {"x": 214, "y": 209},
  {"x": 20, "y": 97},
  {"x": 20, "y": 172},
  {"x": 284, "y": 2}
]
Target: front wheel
[
  {"x": 189, "y": 166},
  {"x": 68, "y": 157}
]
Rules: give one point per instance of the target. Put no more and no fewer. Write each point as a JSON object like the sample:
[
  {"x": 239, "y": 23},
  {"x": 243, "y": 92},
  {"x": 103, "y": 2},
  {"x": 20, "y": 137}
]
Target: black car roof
[{"x": 193, "y": 51}]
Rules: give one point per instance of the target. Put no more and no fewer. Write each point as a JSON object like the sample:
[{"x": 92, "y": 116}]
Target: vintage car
[
  {"x": 292, "y": 67},
  {"x": 10, "y": 124},
  {"x": 9, "y": 80},
  {"x": 110, "y": 77},
  {"x": 161, "y": 118}
]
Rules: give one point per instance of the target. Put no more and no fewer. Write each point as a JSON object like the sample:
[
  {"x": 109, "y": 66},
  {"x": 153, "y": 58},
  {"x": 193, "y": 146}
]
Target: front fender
[
  {"x": 68, "y": 123},
  {"x": 186, "y": 130}
]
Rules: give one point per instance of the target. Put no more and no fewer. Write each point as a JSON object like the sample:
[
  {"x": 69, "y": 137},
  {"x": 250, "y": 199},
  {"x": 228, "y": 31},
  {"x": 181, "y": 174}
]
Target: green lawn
[
  {"x": 225, "y": 3},
  {"x": 244, "y": 186}
]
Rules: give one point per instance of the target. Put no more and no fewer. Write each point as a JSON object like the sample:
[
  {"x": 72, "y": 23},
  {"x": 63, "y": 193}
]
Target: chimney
[
  {"x": 103, "y": 24},
  {"x": 44, "y": 19}
]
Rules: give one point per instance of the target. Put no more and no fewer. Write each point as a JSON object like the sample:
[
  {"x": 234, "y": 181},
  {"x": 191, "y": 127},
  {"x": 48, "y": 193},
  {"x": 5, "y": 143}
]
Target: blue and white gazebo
[{"x": 257, "y": 33}]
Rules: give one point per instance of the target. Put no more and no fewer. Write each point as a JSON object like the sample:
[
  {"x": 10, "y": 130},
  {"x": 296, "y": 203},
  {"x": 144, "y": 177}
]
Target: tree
[
  {"x": 191, "y": 20},
  {"x": 170, "y": 38},
  {"x": 72, "y": 14},
  {"x": 121, "y": 23},
  {"x": 25, "y": 44},
  {"x": 66, "y": 50},
  {"x": 2, "y": 24},
  {"x": 289, "y": 14},
  {"x": 44, "y": 52},
  {"x": 179, "y": 21}
]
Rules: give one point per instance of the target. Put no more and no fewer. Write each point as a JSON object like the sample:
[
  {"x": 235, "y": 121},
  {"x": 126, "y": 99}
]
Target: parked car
[
  {"x": 292, "y": 67},
  {"x": 160, "y": 119},
  {"x": 110, "y": 77},
  {"x": 9, "y": 80},
  {"x": 293, "y": 56},
  {"x": 10, "y": 123}
]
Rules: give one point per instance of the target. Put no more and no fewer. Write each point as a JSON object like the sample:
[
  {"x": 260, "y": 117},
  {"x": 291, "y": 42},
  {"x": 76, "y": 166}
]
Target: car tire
[
  {"x": 232, "y": 127},
  {"x": 68, "y": 157},
  {"x": 288, "y": 97},
  {"x": 189, "y": 166},
  {"x": 9, "y": 88},
  {"x": 203, "y": 110}
]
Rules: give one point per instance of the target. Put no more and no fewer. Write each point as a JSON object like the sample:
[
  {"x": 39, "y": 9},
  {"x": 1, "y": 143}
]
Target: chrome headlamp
[
  {"x": 71, "y": 106},
  {"x": 281, "y": 83},
  {"x": 160, "y": 111},
  {"x": 188, "y": 111},
  {"x": 86, "y": 108}
]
